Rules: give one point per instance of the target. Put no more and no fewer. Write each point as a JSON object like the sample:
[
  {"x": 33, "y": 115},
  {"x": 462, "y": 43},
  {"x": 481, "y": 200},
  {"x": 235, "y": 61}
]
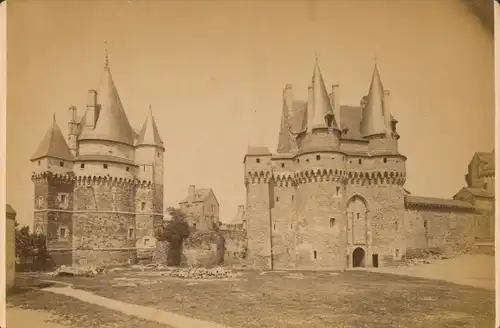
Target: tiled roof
[
  {"x": 436, "y": 202},
  {"x": 104, "y": 158},
  {"x": 488, "y": 161},
  {"x": 200, "y": 195},
  {"x": 149, "y": 135},
  {"x": 53, "y": 145},
  {"x": 478, "y": 192},
  {"x": 9, "y": 209}
]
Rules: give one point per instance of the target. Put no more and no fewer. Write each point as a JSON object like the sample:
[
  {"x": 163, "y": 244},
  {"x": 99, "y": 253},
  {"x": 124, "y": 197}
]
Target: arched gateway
[{"x": 358, "y": 257}]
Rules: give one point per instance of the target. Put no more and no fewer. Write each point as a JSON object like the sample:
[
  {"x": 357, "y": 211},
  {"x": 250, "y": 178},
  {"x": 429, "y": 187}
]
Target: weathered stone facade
[
  {"x": 202, "y": 208},
  {"x": 333, "y": 195},
  {"x": 99, "y": 196}
]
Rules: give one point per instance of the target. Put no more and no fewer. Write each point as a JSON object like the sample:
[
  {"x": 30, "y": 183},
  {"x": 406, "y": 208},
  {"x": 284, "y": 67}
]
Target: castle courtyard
[{"x": 406, "y": 297}]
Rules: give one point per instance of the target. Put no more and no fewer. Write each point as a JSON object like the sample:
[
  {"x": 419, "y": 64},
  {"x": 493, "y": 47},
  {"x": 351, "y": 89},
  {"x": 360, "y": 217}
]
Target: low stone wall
[
  {"x": 204, "y": 248},
  {"x": 105, "y": 257},
  {"x": 236, "y": 247}
]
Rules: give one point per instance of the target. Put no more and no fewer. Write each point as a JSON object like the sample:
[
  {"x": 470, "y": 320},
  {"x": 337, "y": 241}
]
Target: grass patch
[{"x": 319, "y": 299}]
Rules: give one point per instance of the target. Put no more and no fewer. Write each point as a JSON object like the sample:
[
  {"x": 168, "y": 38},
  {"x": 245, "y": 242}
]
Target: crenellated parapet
[
  {"x": 256, "y": 177},
  {"x": 308, "y": 176},
  {"x": 376, "y": 177},
  {"x": 284, "y": 179},
  {"x": 44, "y": 177}
]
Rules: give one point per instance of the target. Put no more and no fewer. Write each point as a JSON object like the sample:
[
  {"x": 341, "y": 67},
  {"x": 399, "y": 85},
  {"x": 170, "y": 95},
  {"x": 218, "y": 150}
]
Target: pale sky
[{"x": 214, "y": 73}]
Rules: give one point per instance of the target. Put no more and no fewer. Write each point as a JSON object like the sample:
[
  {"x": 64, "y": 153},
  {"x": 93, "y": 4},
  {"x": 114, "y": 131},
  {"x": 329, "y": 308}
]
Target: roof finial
[
  {"x": 375, "y": 59},
  {"x": 54, "y": 117},
  {"x": 106, "y": 59}
]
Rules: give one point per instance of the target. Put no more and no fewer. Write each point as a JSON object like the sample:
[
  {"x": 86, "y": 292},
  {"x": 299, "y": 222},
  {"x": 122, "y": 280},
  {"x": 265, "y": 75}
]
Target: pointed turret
[
  {"x": 284, "y": 144},
  {"x": 53, "y": 145},
  {"x": 111, "y": 122},
  {"x": 149, "y": 134},
  {"x": 322, "y": 116},
  {"x": 373, "y": 121}
]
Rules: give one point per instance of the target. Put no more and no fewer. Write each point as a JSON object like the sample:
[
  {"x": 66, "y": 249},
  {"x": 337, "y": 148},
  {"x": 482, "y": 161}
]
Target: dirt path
[
  {"x": 22, "y": 318},
  {"x": 143, "y": 312},
  {"x": 472, "y": 270}
]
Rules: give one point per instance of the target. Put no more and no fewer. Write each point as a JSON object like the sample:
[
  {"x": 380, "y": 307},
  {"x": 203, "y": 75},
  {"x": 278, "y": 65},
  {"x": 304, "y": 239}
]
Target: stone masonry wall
[
  {"x": 235, "y": 247},
  {"x": 450, "y": 231},
  {"x": 104, "y": 224},
  {"x": 283, "y": 219}
]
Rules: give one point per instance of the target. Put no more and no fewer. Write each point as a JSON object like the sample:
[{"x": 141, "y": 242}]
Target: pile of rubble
[
  {"x": 201, "y": 273},
  {"x": 81, "y": 271}
]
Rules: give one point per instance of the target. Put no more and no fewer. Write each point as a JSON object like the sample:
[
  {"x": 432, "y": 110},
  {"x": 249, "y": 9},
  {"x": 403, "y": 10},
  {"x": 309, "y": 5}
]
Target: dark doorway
[
  {"x": 358, "y": 258},
  {"x": 375, "y": 260}
]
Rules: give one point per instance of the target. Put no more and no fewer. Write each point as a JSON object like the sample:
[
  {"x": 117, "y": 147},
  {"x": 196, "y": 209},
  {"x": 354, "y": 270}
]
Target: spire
[
  {"x": 372, "y": 122},
  {"x": 149, "y": 132},
  {"x": 53, "y": 144},
  {"x": 112, "y": 122},
  {"x": 106, "y": 59},
  {"x": 322, "y": 115},
  {"x": 284, "y": 145}
]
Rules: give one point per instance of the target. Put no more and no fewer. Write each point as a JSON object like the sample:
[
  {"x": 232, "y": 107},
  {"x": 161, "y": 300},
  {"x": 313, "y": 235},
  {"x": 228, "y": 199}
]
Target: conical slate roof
[
  {"x": 53, "y": 145},
  {"x": 321, "y": 105},
  {"x": 112, "y": 122},
  {"x": 372, "y": 122},
  {"x": 149, "y": 135}
]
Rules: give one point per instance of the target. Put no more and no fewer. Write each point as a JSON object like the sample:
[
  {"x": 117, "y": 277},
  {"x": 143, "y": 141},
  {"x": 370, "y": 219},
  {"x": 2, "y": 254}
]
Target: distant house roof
[
  {"x": 199, "y": 196},
  {"x": 477, "y": 192},
  {"x": 9, "y": 209},
  {"x": 488, "y": 163},
  {"x": 432, "y": 202}
]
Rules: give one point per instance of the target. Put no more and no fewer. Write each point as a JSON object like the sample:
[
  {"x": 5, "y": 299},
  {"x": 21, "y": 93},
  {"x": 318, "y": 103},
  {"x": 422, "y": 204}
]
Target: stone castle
[
  {"x": 333, "y": 196},
  {"x": 99, "y": 196}
]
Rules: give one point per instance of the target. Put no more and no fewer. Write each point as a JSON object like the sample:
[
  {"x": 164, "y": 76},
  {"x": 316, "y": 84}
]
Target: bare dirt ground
[
  {"x": 22, "y": 318},
  {"x": 472, "y": 270},
  {"x": 418, "y": 296}
]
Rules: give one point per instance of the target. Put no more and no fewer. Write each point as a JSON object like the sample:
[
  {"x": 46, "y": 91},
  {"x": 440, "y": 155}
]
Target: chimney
[
  {"x": 191, "y": 190},
  {"x": 72, "y": 130},
  {"x": 310, "y": 107},
  {"x": 91, "y": 114},
  {"x": 336, "y": 103},
  {"x": 387, "y": 112}
]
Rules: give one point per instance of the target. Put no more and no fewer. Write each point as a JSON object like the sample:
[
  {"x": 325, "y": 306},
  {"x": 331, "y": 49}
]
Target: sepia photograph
[{"x": 250, "y": 164}]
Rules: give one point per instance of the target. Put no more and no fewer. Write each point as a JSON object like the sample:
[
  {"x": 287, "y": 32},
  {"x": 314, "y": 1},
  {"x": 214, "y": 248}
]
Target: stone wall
[
  {"x": 443, "y": 230},
  {"x": 203, "y": 248},
  {"x": 235, "y": 247}
]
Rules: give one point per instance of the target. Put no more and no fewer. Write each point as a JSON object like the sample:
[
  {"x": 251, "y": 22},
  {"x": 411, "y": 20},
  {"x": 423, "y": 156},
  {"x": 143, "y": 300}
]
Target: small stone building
[
  {"x": 201, "y": 207},
  {"x": 10, "y": 247}
]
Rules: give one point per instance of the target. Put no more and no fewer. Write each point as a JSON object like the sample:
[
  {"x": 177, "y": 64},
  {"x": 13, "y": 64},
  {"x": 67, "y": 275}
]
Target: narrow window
[
  {"x": 194, "y": 225},
  {"x": 82, "y": 166},
  {"x": 298, "y": 160},
  {"x": 39, "y": 162},
  {"x": 143, "y": 206},
  {"x": 397, "y": 253},
  {"x": 385, "y": 160},
  {"x": 338, "y": 190},
  {"x": 105, "y": 166},
  {"x": 61, "y": 164},
  {"x": 425, "y": 224},
  {"x": 318, "y": 157},
  {"x": 130, "y": 232},
  {"x": 274, "y": 226},
  {"x": 258, "y": 160},
  {"x": 63, "y": 198},
  {"x": 396, "y": 224},
  {"x": 359, "y": 161},
  {"x": 315, "y": 255},
  {"x": 158, "y": 154},
  {"x": 357, "y": 216},
  {"x": 291, "y": 226},
  {"x": 127, "y": 168},
  {"x": 277, "y": 199},
  {"x": 62, "y": 233},
  {"x": 332, "y": 222},
  {"x": 486, "y": 185},
  {"x": 146, "y": 241},
  {"x": 282, "y": 164},
  {"x": 307, "y": 160},
  {"x": 293, "y": 197}
]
